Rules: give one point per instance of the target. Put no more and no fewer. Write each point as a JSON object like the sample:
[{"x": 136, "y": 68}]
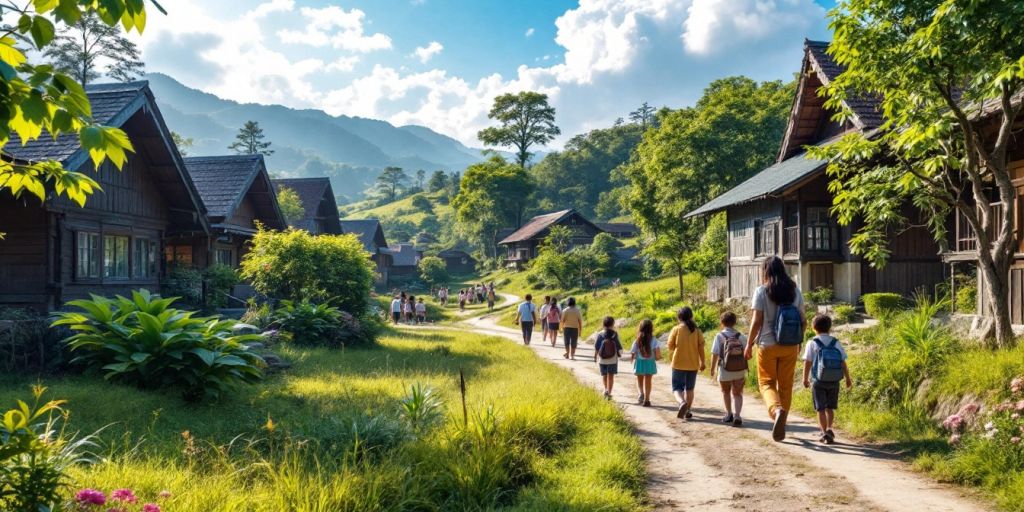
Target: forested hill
[{"x": 350, "y": 150}]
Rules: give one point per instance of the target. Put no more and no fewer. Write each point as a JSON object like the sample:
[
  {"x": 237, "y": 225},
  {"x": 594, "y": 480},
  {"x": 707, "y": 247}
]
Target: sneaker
[
  {"x": 737, "y": 422},
  {"x": 831, "y": 436},
  {"x": 823, "y": 438},
  {"x": 728, "y": 418},
  {"x": 607, "y": 395},
  {"x": 640, "y": 398},
  {"x": 647, "y": 403},
  {"x": 779, "y": 427},
  {"x": 683, "y": 409},
  {"x": 689, "y": 414}
]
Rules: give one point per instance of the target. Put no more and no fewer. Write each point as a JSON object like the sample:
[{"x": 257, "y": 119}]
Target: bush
[
  {"x": 844, "y": 313},
  {"x": 706, "y": 318},
  {"x": 433, "y": 270},
  {"x": 27, "y": 342},
  {"x": 259, "y": 315},
  {"x": 184, "y": 282},
  {"x": 967, "y": 296},
  {"x": 882, "y": 305},
  {"x": 144, "y": 342},
  {"x": 319, "y": 324},
  {"x": 295, "y": 265},
  {"x": 820, "y": 295},
  {"x": 220, "y": 279},
  {"x": 422, "y": 203}
]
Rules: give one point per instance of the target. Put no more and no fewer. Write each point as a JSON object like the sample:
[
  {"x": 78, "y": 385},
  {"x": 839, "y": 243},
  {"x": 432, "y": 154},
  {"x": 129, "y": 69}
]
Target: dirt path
[{"x": 706, "y": 464}]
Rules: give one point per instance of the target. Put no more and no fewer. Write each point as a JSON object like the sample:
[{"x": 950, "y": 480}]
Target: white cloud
[
  {"x": 715, "y": 25},
  {"x": 335, "y": 26},
  {"x": 425, "y": 53},
  {"x": 271, "y": 7},
  {"x": 345, "y": 64},
  {"x": 529, "y": 32}
]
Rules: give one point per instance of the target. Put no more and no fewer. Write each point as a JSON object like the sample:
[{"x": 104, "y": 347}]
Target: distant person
[
  {"x": 410, "y": 310},
  {"x": 607, "y": 351},
  {"x": 686, "y": 352},
  {"x": 490, "y": 300},
  {"x": 572, "y": 326},
  {"x": 480, "y": 292},
  {"x": 544, "y": 318},
  {"x": 526, "y": 314},
  {"x": 421, "y": 312},
  {"x": 442, "y": 296},
  {"x": 645, "y": 353},
  {"x": 396, "y": 309},
  {"x": 554, "y": 319},
  {"x": 777, "y": 325},
  {"x": 728, "y": 363},
  {"x": 462, "y": 300},
  {"x": 824, "y": 367}
]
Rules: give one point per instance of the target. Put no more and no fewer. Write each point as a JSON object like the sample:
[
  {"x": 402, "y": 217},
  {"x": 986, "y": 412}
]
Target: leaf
[
  {"x": 42, "y": 31},
  {"x": 139, "y": 357},
  {"x": 205, "y": 355},
  {"x": 10, "y": 54}
]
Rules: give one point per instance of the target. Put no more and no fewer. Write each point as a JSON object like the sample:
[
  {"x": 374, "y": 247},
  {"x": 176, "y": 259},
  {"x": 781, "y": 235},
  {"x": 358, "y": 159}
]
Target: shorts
[
  {"x": 544, "y": 325},
  {"x": 552, "y": 326},
  {"x": 395, "y": 315},
  {"x": 609, "y": 369},
  {"x": 571, "y": 336},
  {"x": 684, "y": 380},
  {"x": 825, "y": 395},
  {"x": 527, "y": 328}
]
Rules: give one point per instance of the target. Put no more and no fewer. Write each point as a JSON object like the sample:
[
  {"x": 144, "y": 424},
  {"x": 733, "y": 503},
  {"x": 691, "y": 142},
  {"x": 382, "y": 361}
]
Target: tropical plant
[
  {"x": 422, "y": 408},
  {"x": 145, "y": 342},
  {"x": 309, "y": 324}
]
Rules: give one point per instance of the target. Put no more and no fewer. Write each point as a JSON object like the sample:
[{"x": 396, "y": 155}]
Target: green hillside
[{"x": 404, "y": 218}]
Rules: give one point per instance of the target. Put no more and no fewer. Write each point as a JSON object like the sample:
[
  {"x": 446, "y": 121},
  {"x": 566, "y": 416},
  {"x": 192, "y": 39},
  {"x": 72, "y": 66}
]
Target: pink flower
[
  {"x": 150, "y": 507},
  {"x": 125, "y": 495},
  {"x": 1019, "y": 405},
  {"x": 1017, "y": 385},
  {"x": 1013, "y": 440},
  {"x": 90, "y": 497},
  {"x": 953, "y": 423},
  {"x": 969, "y": 409},
  {"x": 954, "y": 439},
  {"x": 164, "y": 494}
]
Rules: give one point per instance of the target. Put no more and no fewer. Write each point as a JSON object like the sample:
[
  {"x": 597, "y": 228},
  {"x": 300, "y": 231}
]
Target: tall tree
[
  {"x": 291, "y": 205},
  {"x": 390, "y": 182},
  {"x": 643, "y": 115},
  {"x": 526, "y": 120},
  {"x": 438, "y": 181},
  {"x": 184, "y": 143},
  {"x": 492, "y": 195},
  {"x": 935, "y": 66},
  {"x": 693, "y": 155},
  {"x": 421, "y": 177},
  {"x": 249, "y": 140},
  {"x": 83, "y": 46}
]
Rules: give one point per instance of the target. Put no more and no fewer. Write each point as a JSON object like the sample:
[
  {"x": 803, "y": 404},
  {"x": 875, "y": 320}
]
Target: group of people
[
  {"x": 553, "y": 317},
  {"x": 405, "y": 308},
  {"x": 777, "y": 327},
  {"x": 476, "y": 294}
]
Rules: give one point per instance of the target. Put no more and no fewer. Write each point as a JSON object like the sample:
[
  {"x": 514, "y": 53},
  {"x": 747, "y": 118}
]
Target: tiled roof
[
  {"x": 454, "y": 253},
  {"x": 223, "y": 180},
  {"x": 313, "y": 191},
  {"x": 765, "y": 183},
  {"x": 365, "y": 229},
  {"x": 535, "y": 226},
  {"x": 112, "y": 105},
  {"x": 405, "y": 255},
  {"x": 865, "y": 108}
]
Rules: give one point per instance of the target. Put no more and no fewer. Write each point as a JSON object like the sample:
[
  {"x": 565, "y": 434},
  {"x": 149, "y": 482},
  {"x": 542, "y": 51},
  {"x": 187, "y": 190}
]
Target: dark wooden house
[
  {"x": 405, "y": 259},
  {"x": 619, "y": 229},
  {"x": 55, "y": 250},
  {"x": 784, "y": 210},
  {"x": 237, "y": 194},
  {"x": 522, "y": 244},
  {"x": 457, "y": 262},
  {"x": 320, "y": 210},
  {"x": 371, "y": 234}
]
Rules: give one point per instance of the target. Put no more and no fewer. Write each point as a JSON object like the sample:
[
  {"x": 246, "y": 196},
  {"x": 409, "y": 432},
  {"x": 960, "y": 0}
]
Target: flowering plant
[
  {"x": 1002, "y": 424},
  {"x": 119, "y": 500}
]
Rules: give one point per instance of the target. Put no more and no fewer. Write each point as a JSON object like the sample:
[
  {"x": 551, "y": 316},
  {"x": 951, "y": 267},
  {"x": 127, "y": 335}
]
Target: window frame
[
  {"x": 144, "y": 265},
  {"x": 761, "y": 227},
  {"x": 819, "y": 231},
  {"x": 127, "y": 258},
  {"x": 93, "y": 251}
]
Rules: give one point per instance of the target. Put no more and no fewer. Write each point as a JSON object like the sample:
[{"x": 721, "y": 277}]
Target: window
[
  {"x": 766, "y": 237},
  {"x": 115, "y": 256},
  {"x": 740, "y": 229},
  {"x": 181, "y": 254},
  {"x": 818, "y": 233},
  {"x": 224, "y": 257},
  {"x": 88, "y": 247},
  {"x": 144, "y": 259}
]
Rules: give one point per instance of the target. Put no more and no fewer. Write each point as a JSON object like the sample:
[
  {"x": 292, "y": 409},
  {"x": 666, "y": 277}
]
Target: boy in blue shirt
[{"x": 826, "y": 357}]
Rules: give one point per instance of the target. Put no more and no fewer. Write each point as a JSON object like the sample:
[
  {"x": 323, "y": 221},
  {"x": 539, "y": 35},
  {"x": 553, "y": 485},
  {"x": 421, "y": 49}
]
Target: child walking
[
  {"x": 607, "y": 351},
  {"x": 727, "y": 359},
  {"x": 645, "y": 353},
  {"x": 554, "y": 318},
  {"x": 421, "y": 312},
  {"x": 686, "y": 351},
  {"x": 824, "y": 367}
]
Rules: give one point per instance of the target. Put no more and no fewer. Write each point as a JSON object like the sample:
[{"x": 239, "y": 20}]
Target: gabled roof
[
  {"x": 539, "y": 223},
  {"x": 405, "y": 255},
  {"x": 223, "y": 181},
  {"x": 866, "y": 110},
  {"x": 369, "y": 231},
  {"x": 317, "y": 200}
]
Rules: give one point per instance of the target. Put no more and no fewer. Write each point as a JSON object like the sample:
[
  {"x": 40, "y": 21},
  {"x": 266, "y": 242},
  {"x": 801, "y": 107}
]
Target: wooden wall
[{"x": 23, "y": 251}]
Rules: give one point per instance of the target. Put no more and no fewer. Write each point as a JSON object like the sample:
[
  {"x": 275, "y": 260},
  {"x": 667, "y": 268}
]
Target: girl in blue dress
[{"x": 645, "y": 352}]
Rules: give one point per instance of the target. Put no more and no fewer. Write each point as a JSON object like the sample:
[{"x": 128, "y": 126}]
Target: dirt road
[{"x": 706, "y": 464}]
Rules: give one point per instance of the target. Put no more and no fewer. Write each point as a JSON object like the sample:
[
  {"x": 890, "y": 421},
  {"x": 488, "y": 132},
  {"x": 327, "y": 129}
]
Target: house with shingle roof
[
  {"x": 785, "y": 210},
  {"x": 320, "y": 208},
  {"x": 56, "y": 250},
  {"x": 405, "y": 259},
  {"x": 523, "y": 244},
  {"x": 371, "y": 234}
]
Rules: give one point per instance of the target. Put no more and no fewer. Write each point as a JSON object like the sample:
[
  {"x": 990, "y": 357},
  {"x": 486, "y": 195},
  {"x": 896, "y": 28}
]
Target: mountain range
[{"x": 307, "y": 142}]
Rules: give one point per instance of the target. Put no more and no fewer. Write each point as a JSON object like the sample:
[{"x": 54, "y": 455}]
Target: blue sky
[{"x": 439, "y": 63}]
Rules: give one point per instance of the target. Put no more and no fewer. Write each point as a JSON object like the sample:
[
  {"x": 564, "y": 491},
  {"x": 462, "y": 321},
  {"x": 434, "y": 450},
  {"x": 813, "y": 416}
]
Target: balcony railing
[{"x": 966, "y": 238}]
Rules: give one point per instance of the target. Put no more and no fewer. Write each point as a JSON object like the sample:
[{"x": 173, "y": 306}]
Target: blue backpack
[
  {"x": 789, "y": 326},
  {"x": 828, "y": 365}
]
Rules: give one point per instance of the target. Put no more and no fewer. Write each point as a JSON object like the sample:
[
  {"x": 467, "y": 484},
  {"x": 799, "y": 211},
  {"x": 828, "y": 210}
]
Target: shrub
[
  {"x": 144, "y": 342},
  {"x": 220, "y": 279},
  {"x": 27, "y": 342},
  {"x": 706, "y": 318},
  {"x": 844, "y": 313},
  {"x": 260, "y": 315},
  {"x": 319, "y": 324},
  {"x": 820, "y": 295},
  {"x": 881, "y": 305},
  {"x": 433, "y": 270},
  {"x": 422, "y": 203},
  {"x": 967, "y": 296},
  {"x": 294, "y": 265},
  {"x": 184, "y": 282}
]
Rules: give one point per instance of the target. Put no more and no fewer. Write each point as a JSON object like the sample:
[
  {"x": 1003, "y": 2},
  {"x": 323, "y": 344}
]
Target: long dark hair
[
  {"x": 780, "y": 287},
  {"x": 685, "y": 315},
  {"x": 644, "y": 336},
  {"x": 608, "y": 323}
]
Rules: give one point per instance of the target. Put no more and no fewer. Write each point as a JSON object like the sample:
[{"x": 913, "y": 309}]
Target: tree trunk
[
  {"x": 997, "y": 291},
  {"x": 679, "y": 270}
]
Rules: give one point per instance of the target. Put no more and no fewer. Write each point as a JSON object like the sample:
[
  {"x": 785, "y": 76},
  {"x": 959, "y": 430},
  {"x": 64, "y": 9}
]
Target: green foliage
[
  {"x": 881, "y": 305},
  {"x": 433, "y": 270},
  {"x": 706, "y": 318},
  {"x": 819, "y": 295},
  {"x": 844, "y": 313},
  {"x": 26, "y": 342},
  {"x": 79, "y": 49},
  {"x": 526, "y": 119},
  {"x": 390, "y": 182},
  {"x": 291, "y": 204},
  {"x": 492, "y": 195},
  {"x": 605, "y": 243},
  {"x": 184, "y": 282},
  {"x": 319, "y": 325},
  {"x": 258, "y": 315},
  {"x": 422, "y": 203},
  {"x": 421, "y": 408},
  {"x": 438, "y": 181},
  {"x": 295, "y": 265},
  {"x": 249, "y": 140},
  {"x": 220, "y": 279},
  {"x": 967, "y": 296},
  {"x": 709, "y": 258},
  {"x": 144, "y": 342},
  {"x": 554, "y": 265}
]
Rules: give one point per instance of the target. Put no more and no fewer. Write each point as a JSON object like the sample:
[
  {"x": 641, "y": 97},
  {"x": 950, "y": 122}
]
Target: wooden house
[
  {"x": 237, "y": 194},
  {"x": 371, "y": 234},
  {"x": 784, "y": 210},
  {"x": 522, "y": 244},
  {"x": 619, "y": 229},
  {"x": 457, "y": 262},
  {"x": 320, "y": 210},
  {"x": 405, "y": 259},
  {"x": 55, "y": 250}
]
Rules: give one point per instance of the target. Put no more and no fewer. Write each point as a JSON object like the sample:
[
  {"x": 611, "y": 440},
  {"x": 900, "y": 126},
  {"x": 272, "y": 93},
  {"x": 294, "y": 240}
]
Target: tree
[
  {"x": 526, "y": 120},
  {"x": 643, "y": 115},
  {"x": 291, "y": 204},
  {"x": 492, "y": 194},
  {"x": 420, "y": 178},
  {"x": 249, "y": 140},
  {"x": 83, "y": 45},
  {"x": 38, "y": 99},
  {"x": 694, "y": 154},
  {"x": 932, "y": 65},
  {"x": 433, "y": 270},
  {"x": 390, "y": 181},
  {"x": 438, "y": 181},
  {"x": 422, "y": 203},
  {"x": 184, "y": 144}
]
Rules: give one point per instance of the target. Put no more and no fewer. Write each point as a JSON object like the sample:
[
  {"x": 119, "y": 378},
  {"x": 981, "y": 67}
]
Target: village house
[
  {"x": 619, "y": 229},
  {"x": 784, "y": 210},
  {"x": 55, "y": 250},
  {"x": 320, "y": 209},
  {"x": 371, "y": 235},
  {"x": 405, "y": 259},
  {"x": 457, "y": 262},
  {"x": 522, "y": 244}
]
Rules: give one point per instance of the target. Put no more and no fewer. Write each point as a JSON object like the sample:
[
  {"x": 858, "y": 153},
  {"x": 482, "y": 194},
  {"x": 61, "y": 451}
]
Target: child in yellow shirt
[{"x": 686, "y": 351}]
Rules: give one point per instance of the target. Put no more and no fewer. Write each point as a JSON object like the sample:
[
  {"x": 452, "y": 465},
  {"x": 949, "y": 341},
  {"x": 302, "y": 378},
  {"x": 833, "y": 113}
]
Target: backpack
[
  {"x": 828, "y": 364},
  {"x": 789, "y": 329},
  {"x": 554, "y": 315},
  {"x": 608, "y": 348},
  {"x": 732, "y": 353}
]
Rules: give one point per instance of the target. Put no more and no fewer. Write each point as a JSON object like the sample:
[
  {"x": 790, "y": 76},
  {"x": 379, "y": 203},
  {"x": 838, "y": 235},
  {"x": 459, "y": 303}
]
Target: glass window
[
  {"x": 740, "y": 229},
  {"x": 115, "y": 256},
  {"x": 88, "y": 247},
  {"x": 766, "y": 235},
  {"x": 224, "y": 257},
  {"x": 144, "y": 258},
  {"x": 819, "y": 230},
  {"x": 181, "y": 254}
]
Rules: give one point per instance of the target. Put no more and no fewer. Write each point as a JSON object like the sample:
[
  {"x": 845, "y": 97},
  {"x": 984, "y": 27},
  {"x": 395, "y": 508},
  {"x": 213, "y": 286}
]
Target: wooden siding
[
  {"x": 1016, "y": 295},
  {"x": 23, "y": 251},
  {"x": 904, "y": 278}
]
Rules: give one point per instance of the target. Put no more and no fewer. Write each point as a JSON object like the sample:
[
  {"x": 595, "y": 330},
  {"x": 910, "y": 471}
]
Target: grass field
[
  {"x": 329, "y": 434},
  {"x": 402, "y": 209}
]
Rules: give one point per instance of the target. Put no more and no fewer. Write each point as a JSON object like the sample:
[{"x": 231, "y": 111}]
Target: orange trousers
[{"x": 776, "y": 367}]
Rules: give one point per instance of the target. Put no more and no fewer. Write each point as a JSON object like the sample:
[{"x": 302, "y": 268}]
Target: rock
[{"x": 241, "y": 328}]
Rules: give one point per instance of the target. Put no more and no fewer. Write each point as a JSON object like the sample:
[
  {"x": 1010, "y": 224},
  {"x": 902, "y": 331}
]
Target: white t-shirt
[
  {"x": 526, "y": 311},
  {"x": 718, "y": 346},
  {"x": 811, "y": 352},
  {"x": 421, "y": 307},
  {"x": 396, "y": 305},
  {"x": 544, "y": 311},
  {"x": 761, "y": 302}
]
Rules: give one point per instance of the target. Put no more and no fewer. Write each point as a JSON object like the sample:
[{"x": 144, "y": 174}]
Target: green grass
[
  {"x": 338, "y": 441},
  {"x": 401, "y": 209}
]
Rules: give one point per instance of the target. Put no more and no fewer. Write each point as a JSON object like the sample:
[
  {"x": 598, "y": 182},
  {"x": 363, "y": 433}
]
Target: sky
[{"x": 440, "y": 63}]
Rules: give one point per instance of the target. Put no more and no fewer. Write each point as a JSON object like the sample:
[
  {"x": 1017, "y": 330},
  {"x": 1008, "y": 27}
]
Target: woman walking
[
  {"x": 572, "y": 326},
  {"x": 645, "y": 352},
  {"x": 777, "y": 325},
  {"x": 554, "y": 318}
]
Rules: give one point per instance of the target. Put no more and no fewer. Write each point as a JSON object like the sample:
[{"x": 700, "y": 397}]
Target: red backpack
[
  {"x": 608, "y": 347},
  {"x": 732, "y": 353}
]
